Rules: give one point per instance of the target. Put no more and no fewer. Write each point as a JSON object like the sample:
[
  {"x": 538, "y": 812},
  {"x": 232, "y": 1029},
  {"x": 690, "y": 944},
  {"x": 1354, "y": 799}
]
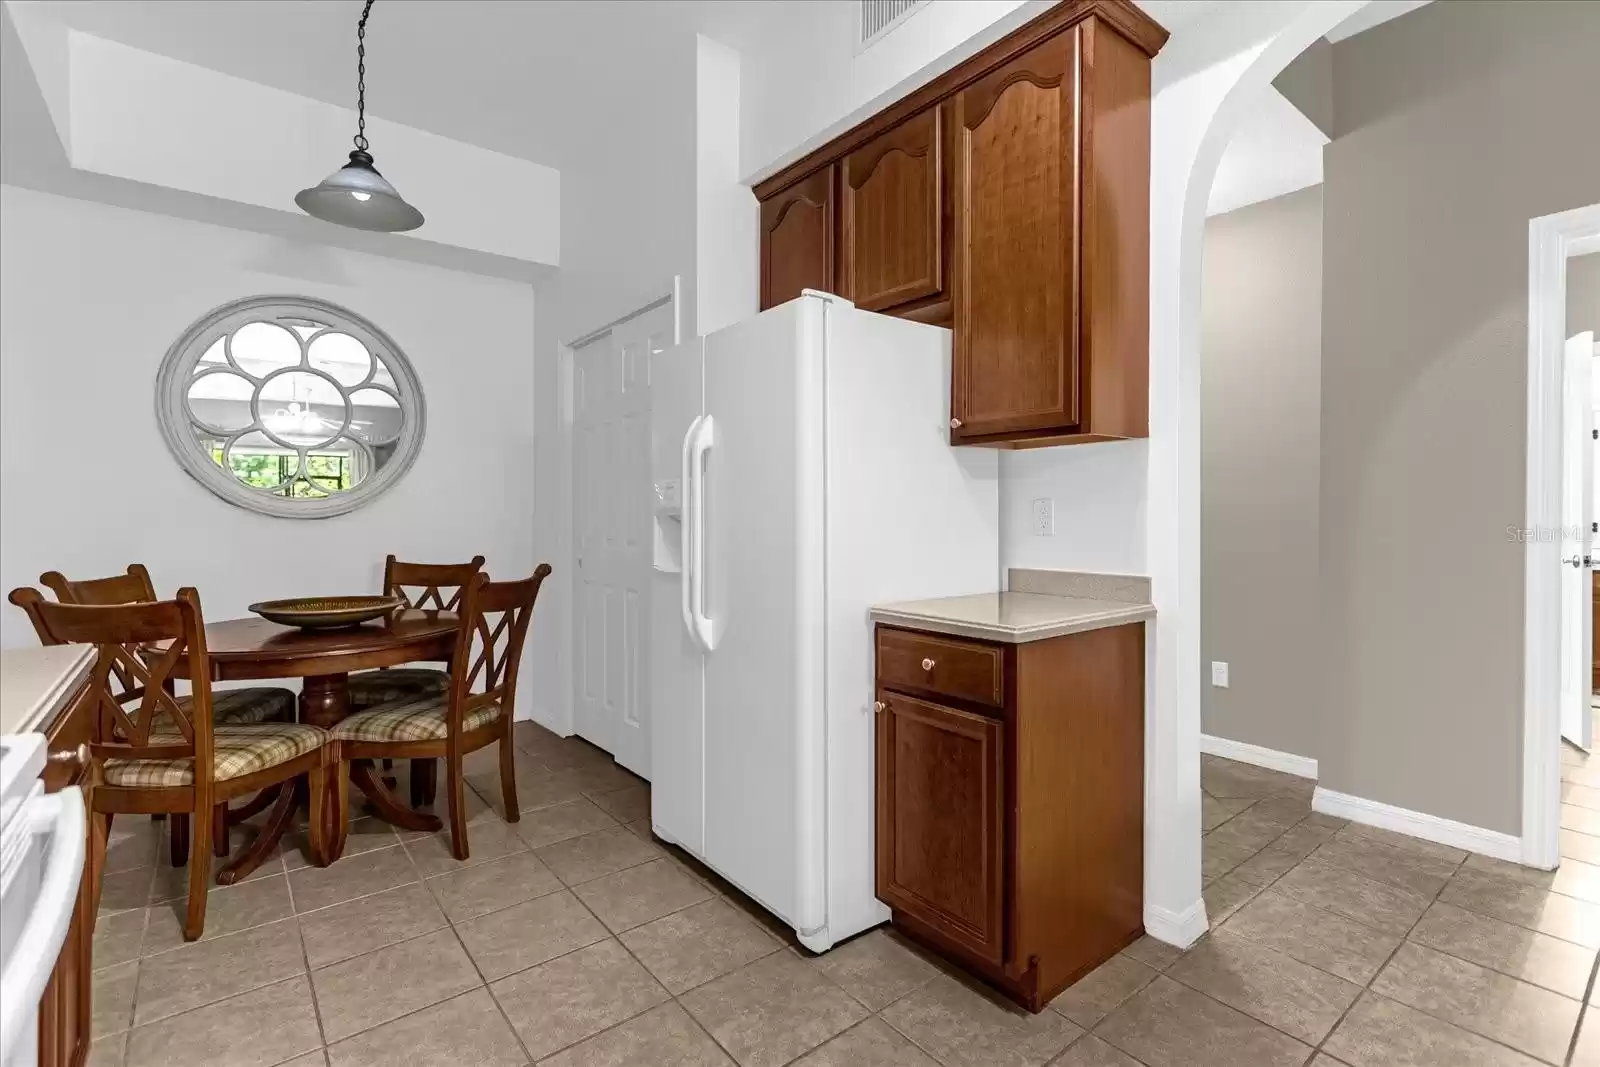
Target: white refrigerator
[{"x": 802, "y": 472}]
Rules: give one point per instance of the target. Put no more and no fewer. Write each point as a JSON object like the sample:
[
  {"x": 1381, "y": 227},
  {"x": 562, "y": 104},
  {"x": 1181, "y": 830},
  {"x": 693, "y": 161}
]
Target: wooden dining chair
[
  {"x": 475, "y": 711},
  {"x": 423, "y": 586},
  {"x": 249, "y": 704},
  {"x": 156, "y": 753},
  {"x": 257, "y": 703}
]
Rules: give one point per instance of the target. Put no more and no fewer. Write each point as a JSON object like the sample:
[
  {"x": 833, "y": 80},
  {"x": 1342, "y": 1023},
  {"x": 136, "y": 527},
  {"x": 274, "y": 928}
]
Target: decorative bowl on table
[{"x": 326, "y": 612}]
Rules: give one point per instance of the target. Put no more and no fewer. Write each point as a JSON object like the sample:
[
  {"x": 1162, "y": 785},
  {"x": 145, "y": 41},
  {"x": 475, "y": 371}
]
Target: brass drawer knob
[
  {"x": 880, "y": 706},
  {"x": 927, "y": 664},
  {"x": 955, "y": 424}
]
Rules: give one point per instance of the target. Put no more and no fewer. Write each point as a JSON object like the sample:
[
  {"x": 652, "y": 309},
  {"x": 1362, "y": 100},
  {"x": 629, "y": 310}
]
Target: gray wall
[
  {"x": 1456, "y": 125},
  {"x": 1260, "y": 382}
]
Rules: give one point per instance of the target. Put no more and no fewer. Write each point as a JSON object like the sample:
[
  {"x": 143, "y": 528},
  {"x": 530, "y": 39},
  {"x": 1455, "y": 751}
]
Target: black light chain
[{"x": 361, "y": 77}]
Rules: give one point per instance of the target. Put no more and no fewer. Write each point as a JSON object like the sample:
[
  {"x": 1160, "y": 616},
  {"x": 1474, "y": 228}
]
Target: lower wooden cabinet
[
  {"x": 941, "y": 820},
  {"x": 65, "y": 1011},
  {"x": 1010, "y": 838}
]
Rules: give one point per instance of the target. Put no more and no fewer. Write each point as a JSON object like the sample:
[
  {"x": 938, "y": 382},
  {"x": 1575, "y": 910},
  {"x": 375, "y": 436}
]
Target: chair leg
[
  {"x": 180, "y": 838},
  {"x": 317, "y": 817},
  {"x": 219, "y": 831},
  {"x": 508, "y": 777},
  {"x": 341, "y": 808},
  {"x": 458, "y": 809},
  {"x": 199, "y": 873},
  {"x": 424, "y": 782}
]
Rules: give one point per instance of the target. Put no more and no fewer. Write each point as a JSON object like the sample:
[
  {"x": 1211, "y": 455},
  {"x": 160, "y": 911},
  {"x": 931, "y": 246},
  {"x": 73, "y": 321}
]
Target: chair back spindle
[
  {"x": 495, "y": 617},
  {"x": 137, "y": 648},
  {"x": 429, "y": 586}
]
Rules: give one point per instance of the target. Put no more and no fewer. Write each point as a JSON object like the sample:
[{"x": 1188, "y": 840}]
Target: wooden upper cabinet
[
  {"x": 892, "y": 216},
  {"x": 797, "y": 228},
  {"x": 1016, "y": 264},
  {"x": 941, "y": 828},
  {"x": 1009, "y": 199}
]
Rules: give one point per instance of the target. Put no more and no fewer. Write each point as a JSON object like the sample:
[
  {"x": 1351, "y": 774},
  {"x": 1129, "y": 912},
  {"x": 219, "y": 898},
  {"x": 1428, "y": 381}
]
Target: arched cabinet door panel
[
  {"x": 797, "y": 227},
  {"x": 893, "y": 209},
  {"x": 1017, "y": 223}
]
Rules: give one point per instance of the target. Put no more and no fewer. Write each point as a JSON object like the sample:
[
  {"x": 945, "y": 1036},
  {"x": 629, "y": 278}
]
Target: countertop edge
[
  {"x": 1117, "y": 613},
  {"x": 49, "y": 703}
]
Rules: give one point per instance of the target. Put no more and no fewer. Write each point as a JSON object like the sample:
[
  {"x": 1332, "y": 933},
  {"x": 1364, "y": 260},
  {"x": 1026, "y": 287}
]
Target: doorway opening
[{"x": 1562, "y": 795}]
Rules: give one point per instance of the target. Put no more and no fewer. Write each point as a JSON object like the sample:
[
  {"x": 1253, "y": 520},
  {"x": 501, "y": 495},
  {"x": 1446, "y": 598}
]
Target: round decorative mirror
[{"x": 290, "y": 406}]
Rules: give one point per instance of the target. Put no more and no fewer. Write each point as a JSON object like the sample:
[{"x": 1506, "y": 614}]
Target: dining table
[{"x": 255, "y": 648}]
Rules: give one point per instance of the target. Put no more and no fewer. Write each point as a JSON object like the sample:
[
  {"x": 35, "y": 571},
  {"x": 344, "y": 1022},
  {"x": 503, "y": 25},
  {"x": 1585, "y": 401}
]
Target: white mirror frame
[{"x": 176, "y": 421}]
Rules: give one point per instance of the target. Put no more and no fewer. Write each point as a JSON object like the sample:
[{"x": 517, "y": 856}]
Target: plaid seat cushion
[
  {"x": 237, "y": 751},
  {"x": 418, "y": 719},
  {"x": 368, "y": 689},
  {"x": 243, "y": 707}
]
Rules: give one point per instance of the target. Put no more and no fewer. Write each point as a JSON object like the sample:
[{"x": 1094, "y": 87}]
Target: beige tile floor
[{"x": 572, "y": 939}]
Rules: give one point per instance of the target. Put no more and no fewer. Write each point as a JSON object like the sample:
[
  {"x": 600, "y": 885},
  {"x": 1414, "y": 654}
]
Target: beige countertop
[
  {"x": 1012, "y": 617},
  {"x": 36, "y": 683}
]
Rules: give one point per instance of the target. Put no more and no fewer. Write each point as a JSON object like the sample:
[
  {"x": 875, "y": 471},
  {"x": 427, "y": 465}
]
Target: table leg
[
  {"x": 325, "y": 699},
  {"x": 386, "y": 804},
  {"x": 267, "y": 840}
]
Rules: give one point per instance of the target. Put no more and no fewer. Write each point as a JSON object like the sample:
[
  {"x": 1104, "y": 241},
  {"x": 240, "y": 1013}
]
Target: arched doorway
[{"x": 1205, "y": 81}]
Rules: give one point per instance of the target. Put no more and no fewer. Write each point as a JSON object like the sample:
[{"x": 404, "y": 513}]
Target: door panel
[
  {"x": 1016, "y": 234},
  {"x": 891, "y": 207},
  {"x": 764, "y": 700},
  {"x": 941, "y": 840},
  {"x": 797, "y": 239},
  {"x": 612, "y": 534}
]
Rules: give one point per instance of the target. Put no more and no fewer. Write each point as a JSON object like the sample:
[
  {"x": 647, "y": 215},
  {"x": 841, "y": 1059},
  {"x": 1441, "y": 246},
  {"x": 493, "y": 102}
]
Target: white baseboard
[
  {"x": 1270, "y": 758},
  {"x": 1440, "y": 831},
  {"x": 1180, "y": 929}
]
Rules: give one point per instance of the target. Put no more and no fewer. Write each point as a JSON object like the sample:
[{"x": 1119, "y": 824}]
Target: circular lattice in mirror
[{"x": 290, "y": 406}]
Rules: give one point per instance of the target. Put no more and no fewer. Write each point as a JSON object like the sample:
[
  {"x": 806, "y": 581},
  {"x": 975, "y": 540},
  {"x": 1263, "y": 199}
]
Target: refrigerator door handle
[
  {"x": 685, "y": 534},
  {"x": 701, "y": 439}
]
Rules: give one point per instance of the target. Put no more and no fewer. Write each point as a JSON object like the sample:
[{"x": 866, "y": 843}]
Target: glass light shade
[{"x": 356, "y": 195}]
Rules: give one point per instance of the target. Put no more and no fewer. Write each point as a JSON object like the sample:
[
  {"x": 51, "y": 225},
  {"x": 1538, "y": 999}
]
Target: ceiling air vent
[{"x": 879, "y": 17}]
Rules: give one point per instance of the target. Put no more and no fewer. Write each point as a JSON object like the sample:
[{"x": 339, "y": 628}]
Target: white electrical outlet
[
  {"x": 1219, "y": 674},
  {"x": 1044, "y": 517}
]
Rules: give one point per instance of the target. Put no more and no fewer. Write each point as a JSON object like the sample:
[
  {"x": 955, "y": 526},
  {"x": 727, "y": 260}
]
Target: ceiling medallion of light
[{"x": 356, "y": 194}]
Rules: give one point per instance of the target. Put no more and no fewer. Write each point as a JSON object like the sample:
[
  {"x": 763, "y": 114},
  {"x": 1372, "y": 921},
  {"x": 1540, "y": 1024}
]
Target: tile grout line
[
  {"x": 305, "y": 957},
  {"x": 1583, "y": 1011},
  {"x": 1406, "y": 939}
]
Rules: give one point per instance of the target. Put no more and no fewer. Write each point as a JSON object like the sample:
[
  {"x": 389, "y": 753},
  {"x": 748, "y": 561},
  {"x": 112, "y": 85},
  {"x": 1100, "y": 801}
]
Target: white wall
[
  {"x": 94, "y": 294},
  {"x": 805, "y": 80},
  {"x": 727, "y": 217},
  {"x": 264, "y": 144},
  {"x": 627, "y": 227},
  {"x": 1098, "y": 492}
]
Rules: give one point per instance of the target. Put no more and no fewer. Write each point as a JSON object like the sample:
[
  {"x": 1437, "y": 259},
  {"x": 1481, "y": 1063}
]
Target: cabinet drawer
[{"x": 947, "y": 666}]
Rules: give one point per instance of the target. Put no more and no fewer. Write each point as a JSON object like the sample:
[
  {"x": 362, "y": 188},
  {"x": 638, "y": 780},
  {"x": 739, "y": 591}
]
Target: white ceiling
[
  {"x": 531, "y": 79},
  {"x": 1276, "y": 151}
]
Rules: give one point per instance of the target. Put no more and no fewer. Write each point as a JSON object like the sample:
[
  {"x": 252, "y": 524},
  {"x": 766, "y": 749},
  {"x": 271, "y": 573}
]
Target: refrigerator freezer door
[
  {"x": 764, "y": 730},
  {"x": 677, "y": 667}
]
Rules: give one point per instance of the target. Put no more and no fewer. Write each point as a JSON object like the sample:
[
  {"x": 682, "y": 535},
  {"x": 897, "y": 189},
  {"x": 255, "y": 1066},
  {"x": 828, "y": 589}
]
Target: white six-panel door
[{"x": 611, "y": 534}]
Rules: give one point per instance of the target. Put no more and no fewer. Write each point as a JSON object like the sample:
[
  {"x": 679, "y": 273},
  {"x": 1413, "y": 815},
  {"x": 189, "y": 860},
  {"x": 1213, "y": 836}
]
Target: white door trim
[{"x": 1551, "y": 240}]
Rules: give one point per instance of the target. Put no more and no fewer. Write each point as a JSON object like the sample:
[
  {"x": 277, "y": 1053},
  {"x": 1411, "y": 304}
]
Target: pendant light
[{"x": 356, "y": 194}]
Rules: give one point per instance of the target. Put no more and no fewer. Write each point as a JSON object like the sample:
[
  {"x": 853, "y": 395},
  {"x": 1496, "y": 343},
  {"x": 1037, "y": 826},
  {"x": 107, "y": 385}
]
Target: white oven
[{"x": 41, "y": 863}]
